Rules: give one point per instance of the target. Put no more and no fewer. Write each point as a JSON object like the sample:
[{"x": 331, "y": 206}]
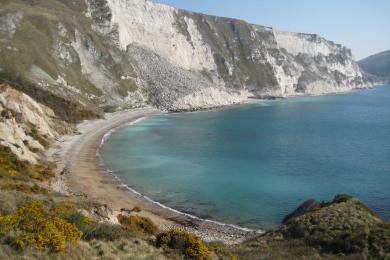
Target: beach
[{"x": 80, "y": 173}]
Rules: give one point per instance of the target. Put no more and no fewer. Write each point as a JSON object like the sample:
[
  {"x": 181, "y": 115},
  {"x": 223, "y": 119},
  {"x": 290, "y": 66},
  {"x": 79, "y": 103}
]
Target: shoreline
[{"x": 81, "y": 174}]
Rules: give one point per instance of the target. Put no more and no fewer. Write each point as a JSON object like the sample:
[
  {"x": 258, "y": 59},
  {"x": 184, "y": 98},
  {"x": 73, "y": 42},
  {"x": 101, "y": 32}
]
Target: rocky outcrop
[
  {"x": 27, "y": 127},
  {"x": 339, "y": 229},
  {"x": 115, "y": 54}
]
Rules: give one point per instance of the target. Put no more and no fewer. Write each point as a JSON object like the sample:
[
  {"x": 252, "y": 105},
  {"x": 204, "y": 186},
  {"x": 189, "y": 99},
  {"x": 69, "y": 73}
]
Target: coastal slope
[
  {"x": 377, "y": 66},
  {"x": 341, "y": 229}
]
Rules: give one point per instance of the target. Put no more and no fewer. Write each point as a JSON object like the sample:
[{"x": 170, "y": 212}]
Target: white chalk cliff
[{"x": 128, "y": 53}]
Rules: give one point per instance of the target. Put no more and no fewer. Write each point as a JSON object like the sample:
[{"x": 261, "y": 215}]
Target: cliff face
[
  {"x": 27, "y": 127},
  {"x": 128, "y": 53}
]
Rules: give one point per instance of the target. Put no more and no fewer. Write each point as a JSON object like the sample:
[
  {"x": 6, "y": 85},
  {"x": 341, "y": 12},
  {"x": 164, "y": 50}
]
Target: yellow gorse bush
[
  {"x": 39, "y": 226},
  {"x": 13, "y": 168},
  {"x": 137, "y": 224},
  {"x": 188, "y": 244}
]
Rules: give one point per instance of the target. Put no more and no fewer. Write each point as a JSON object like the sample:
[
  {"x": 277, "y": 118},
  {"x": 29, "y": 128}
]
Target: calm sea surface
[{"x": 252, "y": 164}]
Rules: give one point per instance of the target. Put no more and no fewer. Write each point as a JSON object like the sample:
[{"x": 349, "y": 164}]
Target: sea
[{"x": 252, "y": 164}]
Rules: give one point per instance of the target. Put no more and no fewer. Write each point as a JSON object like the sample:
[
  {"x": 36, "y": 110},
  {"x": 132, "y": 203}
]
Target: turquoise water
[{"x": 252, "y": 164}]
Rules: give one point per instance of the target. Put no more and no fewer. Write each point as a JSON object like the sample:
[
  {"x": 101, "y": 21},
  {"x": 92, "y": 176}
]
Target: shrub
[
  {"x": 137, "y": 224},
  {"x": 80, "y": 221},
  {"x": 342, "y": 198},
  {"x": 41, "y": 172},
  {"x": 105, "y": 232},
  {"x": 221, "y": 250},
  {"x": 36, "y": 225},
  {"x": 136, "y": 209},
  {"x": 11, "y": 167},
  {"x": 191, "y": 246},
  {"x": 21, "y": 187}
]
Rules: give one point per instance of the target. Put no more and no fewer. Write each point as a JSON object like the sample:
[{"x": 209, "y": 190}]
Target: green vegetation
[
  {"x": 326, "y": 230},
  {"x": 11, "y": 168},
  {"x": 191, "y": 246},
  {"x": 221, "y": 250},
  {"x": 25, "y": 188},
  {"x": 229, "y": 39},
  {"x": 41, "y": 49}
]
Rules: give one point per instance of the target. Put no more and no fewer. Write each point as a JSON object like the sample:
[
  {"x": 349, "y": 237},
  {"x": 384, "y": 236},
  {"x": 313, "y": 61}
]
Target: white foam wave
[{"x": 107, "y": 135}]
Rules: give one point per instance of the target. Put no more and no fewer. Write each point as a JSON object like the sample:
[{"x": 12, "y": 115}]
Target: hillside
[
  {"x": 342, "y": 228},
  {"x": 62, "y": 62},
  {"x": 377, "y": 66},
  {"x": 110, "y": 54}
]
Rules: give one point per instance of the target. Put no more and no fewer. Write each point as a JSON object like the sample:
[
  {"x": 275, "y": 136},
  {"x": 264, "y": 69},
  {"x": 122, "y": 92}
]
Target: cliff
[{"x": 99, "y": 55}]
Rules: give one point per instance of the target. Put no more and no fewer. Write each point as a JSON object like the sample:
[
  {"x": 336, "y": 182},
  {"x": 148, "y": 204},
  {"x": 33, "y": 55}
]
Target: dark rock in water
[{"x": 343, "y": 228}]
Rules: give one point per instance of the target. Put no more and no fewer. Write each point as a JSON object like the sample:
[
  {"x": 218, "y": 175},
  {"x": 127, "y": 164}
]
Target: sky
[{"x": 361, "y": 25}]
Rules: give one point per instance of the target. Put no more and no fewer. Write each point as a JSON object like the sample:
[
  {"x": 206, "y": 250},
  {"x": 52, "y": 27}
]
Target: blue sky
[{"x": 362, "y": 25}]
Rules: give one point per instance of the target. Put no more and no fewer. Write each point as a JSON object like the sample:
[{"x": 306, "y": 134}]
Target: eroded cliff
[{"x": 113, "y": 54}]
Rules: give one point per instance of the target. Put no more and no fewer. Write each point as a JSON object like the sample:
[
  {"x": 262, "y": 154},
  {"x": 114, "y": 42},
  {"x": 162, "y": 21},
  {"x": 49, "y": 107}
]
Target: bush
[
  {"x": 137, "y": 224},
  {"x": 136, "y": 209},
  {"x": 221, "y": 250},
  {"x": 105, "y": 232},
  {"x": 342, "y": 198},
  {"x": 21, "y": 187},
  {"x": 41, "y": 172},
  {"x": 38, "y": 226},
  {"x": 11, "y": 167},
  {"x": 191, "y": 246}
]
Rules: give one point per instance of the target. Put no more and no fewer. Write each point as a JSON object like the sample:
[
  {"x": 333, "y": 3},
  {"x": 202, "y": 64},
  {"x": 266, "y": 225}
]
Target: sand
[{"x": 80, "y": 174}]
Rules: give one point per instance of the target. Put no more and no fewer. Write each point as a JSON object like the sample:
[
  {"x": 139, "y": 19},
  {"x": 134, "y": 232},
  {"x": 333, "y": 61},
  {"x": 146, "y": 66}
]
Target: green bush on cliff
[{"x": 105, "y": 232}]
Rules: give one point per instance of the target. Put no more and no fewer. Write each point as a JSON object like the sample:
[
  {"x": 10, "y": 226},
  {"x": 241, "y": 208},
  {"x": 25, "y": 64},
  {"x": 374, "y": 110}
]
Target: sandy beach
[{"x": 80, "y": 174}]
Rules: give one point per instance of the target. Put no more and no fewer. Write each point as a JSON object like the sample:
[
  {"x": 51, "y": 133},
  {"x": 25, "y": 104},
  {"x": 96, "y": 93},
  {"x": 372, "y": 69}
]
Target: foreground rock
[{"x": 343, "y": 228}]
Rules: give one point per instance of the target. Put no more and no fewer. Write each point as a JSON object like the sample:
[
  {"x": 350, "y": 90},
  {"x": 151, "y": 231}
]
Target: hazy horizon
[{"x": 363, "y": 26}]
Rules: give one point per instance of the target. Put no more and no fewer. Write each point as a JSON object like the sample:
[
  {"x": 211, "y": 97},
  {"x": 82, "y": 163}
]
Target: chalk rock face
[
  {"x": 128, "y": 53},
  {"x": 24, "y": 124},
  {"x": 230, "y": 56}
]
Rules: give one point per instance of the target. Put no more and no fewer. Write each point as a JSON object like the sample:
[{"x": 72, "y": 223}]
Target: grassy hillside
[
  {"x": 377, "y": 64},
  {"x": 38, "y": 56}
]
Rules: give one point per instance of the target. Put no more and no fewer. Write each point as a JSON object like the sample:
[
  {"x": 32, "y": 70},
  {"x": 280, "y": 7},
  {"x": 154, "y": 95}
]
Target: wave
[{"x": 107, "y": 135}]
